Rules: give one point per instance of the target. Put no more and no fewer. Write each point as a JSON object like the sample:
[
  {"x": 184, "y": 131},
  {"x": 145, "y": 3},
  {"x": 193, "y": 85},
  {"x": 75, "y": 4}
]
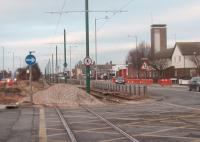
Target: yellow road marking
[{"x": 42, "y": 130}]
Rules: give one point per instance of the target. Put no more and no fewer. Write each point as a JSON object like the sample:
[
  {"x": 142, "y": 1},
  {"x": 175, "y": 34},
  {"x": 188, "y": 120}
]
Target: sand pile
[{"x": 64, "y": 95}]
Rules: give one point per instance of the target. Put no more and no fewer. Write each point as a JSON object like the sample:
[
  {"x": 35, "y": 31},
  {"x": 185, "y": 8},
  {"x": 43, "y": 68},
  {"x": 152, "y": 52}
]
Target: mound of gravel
[{"x": 64, "y": 95}]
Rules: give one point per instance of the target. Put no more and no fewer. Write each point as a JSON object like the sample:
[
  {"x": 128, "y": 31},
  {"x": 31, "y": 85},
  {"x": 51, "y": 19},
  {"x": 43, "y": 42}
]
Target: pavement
[
  {"x": 2, "y": 106},
  {"x": 19, "y": 125}
]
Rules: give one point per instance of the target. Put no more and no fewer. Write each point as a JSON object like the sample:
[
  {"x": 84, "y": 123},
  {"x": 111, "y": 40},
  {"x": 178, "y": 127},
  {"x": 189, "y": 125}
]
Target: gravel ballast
[{"x": 64, "y": 95}]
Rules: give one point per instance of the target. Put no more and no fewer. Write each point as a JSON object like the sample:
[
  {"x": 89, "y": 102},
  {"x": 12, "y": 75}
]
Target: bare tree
[
  {"x": 196, "y": 60},
  {"x": 135, "y": 56},
  {"x": 160, "y": 65}
]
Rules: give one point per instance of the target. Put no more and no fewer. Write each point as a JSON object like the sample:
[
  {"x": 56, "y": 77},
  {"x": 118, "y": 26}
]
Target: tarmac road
[
  {"x": 176, "y": 95},
  {"x": 173, "y": 116}
]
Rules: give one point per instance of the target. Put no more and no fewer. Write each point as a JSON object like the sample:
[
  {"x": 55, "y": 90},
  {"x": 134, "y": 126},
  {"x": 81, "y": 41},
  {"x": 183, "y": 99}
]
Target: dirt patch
[
  {"x": 8, "y": 98},
  {"x": 25, "y": 87},
  {"x": 64, "y": 95}
]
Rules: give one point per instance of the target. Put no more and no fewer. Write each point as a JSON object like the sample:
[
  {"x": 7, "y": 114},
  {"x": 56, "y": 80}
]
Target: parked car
[
  {"x": 119, "y": 80},
  {"x": 194, "y": 84}
]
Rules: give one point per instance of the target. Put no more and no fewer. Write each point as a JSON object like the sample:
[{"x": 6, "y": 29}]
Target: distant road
[{"x": 176, "y": 95}]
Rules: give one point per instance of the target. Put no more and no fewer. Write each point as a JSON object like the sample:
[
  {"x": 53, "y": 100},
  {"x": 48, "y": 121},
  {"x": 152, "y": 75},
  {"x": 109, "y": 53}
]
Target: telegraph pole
[
  {"x": 65, "y": 60},
  {"x": 87, "y": 46}
]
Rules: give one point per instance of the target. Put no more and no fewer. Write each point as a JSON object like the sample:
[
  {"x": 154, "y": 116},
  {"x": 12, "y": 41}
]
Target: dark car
[
  {"x": 194, "y": 84},
  {"x": 119, "y": 80}
]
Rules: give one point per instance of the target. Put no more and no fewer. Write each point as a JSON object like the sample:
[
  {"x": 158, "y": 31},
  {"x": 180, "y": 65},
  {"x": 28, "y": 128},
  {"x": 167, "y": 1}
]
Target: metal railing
[{"x": 130, "y": 89}]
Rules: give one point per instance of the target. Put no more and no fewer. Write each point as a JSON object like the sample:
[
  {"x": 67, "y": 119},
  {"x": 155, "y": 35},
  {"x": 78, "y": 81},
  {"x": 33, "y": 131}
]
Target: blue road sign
[{"x": 30, "y": 59}]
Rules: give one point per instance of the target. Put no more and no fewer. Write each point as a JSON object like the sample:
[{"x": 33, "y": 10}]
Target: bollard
[
  {"x": 145, "y": 90},
  {"x": 134, "y": 90},
  {"x": 130, "y": 89},
  {"x": 139, "y": 90}
]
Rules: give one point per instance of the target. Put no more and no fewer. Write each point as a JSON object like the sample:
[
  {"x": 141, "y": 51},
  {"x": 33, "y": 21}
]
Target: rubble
[{"x": 64, "y": 95}]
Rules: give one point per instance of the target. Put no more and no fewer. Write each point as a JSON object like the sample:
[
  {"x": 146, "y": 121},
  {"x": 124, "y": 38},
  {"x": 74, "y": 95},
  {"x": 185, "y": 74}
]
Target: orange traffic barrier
[
  {"x": 113, "y": 80},
  {"x": 140, "y": 81},
  {"x": 165, "y": 82}
]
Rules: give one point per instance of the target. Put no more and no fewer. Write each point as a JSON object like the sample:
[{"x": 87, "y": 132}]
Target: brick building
[{"x": 158, "y": 38}]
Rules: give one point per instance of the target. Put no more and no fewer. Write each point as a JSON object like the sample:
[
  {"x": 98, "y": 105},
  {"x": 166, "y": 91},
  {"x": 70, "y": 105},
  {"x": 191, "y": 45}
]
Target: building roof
[
  {"x": 158, "y": 25},
  {"x": 164, "y": 54},
  {"x": 189, "y": 48}
]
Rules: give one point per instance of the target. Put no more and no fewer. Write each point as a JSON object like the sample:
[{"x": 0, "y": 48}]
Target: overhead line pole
[
  {"x": 96, "y": 48},
  {"x": 56, "y": 64},
  {"x": 65, "y": 60},
  {"x": 52, "y": 69},
  {"x": 87, "y": 46}
]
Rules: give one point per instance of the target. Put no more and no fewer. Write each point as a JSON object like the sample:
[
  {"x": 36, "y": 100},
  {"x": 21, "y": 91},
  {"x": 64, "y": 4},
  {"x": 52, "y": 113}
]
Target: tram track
[{"x": 98, "y": 118}]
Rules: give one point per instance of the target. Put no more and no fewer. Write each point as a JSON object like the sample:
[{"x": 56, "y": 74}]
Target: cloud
[{"x": 186, "y": 13}]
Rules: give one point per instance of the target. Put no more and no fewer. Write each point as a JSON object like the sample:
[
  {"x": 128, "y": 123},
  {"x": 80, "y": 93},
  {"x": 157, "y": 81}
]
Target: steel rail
[
  {"x": 66, "y": 126},
  {"x": 110, "y": 124}
]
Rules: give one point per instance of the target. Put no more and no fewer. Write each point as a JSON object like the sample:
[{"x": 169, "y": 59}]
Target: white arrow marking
[{"x": 31, "y": 60}]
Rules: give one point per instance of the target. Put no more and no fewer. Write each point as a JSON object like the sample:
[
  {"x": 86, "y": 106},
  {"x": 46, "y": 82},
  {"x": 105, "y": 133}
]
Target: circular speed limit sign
[{"x": 87, "y": 61}]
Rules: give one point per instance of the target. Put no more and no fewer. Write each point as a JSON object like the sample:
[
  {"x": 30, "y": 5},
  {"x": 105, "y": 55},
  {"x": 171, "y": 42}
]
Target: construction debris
[{"x": 64, "y": 95}]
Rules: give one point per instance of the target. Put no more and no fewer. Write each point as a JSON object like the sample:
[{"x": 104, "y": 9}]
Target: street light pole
[
  {"x": 13, "y": 64},
  {"x": 70, "y": 55},
  {"x": 96, "y": 43},
  {"x": 136, "y": 46},
  {"x": 96, "y": 46}
]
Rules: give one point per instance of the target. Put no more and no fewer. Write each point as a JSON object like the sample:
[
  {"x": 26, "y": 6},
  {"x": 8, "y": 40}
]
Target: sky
[{"x": 27, "y": 25}]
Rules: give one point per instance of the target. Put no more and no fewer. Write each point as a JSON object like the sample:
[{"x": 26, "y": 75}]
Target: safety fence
[
  {"x": 129, "y": 89},
  {"x": 137, "y": 82}
]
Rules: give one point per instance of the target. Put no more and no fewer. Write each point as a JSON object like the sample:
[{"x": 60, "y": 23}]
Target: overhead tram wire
[
  {"x": 60, "y": 17},
  {"x": 114, "y": 13}
]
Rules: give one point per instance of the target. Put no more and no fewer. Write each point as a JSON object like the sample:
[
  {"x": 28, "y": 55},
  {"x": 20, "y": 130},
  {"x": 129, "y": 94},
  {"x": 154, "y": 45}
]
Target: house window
[
  {"x": 179, "y": 58},
  {"x": 175, "y": 59}
]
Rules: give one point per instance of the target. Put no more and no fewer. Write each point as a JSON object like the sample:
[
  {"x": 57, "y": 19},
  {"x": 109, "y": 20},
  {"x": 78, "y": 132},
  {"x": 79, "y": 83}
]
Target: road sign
[
  {"x": 30, "y": 59},
  {"x": 144, "y": 66},
  {"x": 87, "y": 61}
]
